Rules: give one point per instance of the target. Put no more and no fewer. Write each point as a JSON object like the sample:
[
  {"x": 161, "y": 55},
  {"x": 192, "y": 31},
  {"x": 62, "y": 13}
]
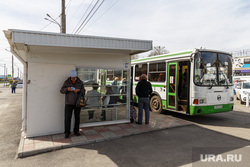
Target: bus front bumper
[{"x": 200, "y": 110}]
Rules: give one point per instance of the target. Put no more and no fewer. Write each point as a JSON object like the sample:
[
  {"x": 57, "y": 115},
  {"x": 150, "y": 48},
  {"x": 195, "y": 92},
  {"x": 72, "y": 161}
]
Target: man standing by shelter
[
  {"x": 143, "y": 90},
  {"x": 13, "y": 86},
  {"x": 70, "y": 88}
]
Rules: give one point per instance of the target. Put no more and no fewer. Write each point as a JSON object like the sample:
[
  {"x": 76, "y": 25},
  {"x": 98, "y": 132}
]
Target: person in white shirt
[{"x": 93, "y": 100}]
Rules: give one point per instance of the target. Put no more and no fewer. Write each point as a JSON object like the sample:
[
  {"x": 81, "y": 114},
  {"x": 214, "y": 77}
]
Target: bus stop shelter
[{"x": 49, "y": 57}]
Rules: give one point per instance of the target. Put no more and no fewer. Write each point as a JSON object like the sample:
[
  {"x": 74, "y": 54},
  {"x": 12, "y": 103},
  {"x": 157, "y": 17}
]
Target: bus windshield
[
  {"x": 246, "y": 85},
  {"x": 212, "y": 69}
]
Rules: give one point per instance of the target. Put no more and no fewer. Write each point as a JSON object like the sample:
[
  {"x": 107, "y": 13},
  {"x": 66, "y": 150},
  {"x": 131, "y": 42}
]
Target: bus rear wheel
[{"x": 155, "y": 104}]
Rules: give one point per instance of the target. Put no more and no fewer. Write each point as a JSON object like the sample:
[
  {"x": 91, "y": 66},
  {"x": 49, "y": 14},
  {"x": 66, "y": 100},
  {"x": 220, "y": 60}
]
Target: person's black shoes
[
  {"x": 67, "y": 135},
  {"x": 132, "y": 120},
  {"x": 138, "y": 123},
  {"x": 77, "y": 134}
]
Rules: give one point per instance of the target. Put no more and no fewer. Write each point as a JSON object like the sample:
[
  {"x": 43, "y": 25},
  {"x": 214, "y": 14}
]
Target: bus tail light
[{"x": 196, "y": 101}]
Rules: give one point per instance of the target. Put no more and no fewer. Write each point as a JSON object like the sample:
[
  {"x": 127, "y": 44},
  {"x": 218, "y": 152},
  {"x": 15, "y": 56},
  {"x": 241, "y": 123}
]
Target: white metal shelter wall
[
  {"x": 45, "y": 106},
  {"x": 46, "y": 73},
  {"x": 83, "y": 59}
]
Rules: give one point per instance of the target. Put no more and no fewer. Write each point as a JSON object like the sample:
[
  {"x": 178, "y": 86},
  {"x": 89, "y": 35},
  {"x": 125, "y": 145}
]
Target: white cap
[{"x": 73, "y": 73}]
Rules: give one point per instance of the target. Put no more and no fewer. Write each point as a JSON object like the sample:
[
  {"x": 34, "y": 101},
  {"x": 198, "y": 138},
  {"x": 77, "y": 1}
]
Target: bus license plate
[{"x": 217, "y": 107}]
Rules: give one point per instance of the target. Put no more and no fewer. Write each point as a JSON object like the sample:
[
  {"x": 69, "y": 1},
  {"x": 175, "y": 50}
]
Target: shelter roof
[{"x": 37, "y": 41}]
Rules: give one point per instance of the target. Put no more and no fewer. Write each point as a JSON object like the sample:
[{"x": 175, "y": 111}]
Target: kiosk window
[
  {"x": 105, "y": 100},
  {"x": 111, "y": 74}
]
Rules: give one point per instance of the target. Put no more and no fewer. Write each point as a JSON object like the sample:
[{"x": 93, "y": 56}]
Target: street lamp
[{"x": 52, "y": 20}]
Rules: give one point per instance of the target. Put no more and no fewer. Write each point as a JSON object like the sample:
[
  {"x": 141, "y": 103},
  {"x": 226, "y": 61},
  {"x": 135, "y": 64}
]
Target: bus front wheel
[{"x": 155, "y": 104}]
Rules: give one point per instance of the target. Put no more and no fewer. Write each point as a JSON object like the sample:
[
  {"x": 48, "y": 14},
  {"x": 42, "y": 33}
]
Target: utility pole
[
  {"x": 63, "y": 18},
  {"x": 5, "y": 74},
  {"x": 12, "y": 67},
  {"x": 18, "y": 72}
]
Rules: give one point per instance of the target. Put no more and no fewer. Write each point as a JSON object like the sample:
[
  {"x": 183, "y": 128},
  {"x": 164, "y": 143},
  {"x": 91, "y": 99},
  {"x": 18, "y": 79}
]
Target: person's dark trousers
[
  {"x": 67, "y": 118},
  {"x": 103, "y": 115},
  {"x": 143, "y": 104},
  {"x": 13, "y": 90}
]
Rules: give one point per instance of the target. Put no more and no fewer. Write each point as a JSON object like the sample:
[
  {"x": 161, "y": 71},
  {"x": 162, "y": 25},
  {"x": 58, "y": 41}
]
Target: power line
[
  {"x": 82, "y": 16},
  {"x": 91, "y": 16},
  {"x": 77, "y": 31},
  {"x": 68, "y": 6},
  {"x": 76, "y": 11},
  {"x": 102, "y": 14}
]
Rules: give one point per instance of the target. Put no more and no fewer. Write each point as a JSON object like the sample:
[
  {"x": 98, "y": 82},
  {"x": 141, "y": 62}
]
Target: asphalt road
[{"x": 218, "y": 133}]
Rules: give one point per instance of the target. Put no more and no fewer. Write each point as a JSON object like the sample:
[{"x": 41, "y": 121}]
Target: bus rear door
[{"x": 172, "y": 86}]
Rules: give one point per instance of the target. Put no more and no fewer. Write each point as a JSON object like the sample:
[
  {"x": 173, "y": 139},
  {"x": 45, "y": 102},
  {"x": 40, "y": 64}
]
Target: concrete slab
[{"x": 42, "y": 144}]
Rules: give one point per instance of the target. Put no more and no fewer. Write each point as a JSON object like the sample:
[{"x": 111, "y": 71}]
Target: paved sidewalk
[
  {"x": 240, "y": 107},
  {"x": 42, "y": 144}
]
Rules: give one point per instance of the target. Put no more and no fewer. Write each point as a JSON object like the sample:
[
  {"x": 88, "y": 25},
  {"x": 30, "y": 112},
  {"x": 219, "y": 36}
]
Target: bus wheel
[{"x": 155, "y": 104}]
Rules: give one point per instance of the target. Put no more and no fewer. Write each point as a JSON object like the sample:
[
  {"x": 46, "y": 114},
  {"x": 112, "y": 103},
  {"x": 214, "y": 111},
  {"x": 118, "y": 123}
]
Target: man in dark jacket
[
  {"x": 71, "y": 88},
  {"x": 13, "y": 87},
  {"x": 143, "y": 90}
]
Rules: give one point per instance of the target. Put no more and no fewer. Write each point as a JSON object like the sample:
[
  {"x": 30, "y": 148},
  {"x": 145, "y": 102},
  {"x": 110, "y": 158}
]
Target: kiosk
[{"x": 48, "y": 59}]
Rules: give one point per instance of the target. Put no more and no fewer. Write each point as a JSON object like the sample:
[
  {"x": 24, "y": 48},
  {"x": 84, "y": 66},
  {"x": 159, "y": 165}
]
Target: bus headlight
[
  {"x": 231, "y": 98},
  {"x": 199, "y": 101},
  {"x": 202, "y": 101}
]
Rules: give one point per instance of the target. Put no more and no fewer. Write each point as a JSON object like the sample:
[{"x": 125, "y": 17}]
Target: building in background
[{"x": 241, "y": 68}]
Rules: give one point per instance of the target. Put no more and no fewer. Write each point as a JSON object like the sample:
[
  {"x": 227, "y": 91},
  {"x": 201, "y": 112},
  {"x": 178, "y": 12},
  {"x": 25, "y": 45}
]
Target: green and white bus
[{"x": 192, "y": 82}]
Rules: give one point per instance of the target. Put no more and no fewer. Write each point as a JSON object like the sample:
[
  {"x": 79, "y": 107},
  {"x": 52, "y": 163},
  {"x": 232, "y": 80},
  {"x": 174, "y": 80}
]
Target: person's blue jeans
[
  {"x": 13, "y": 90},
  {"x": 143, "y": 104}
]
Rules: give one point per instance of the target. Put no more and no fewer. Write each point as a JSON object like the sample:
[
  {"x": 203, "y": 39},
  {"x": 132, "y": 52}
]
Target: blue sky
[{"x": 176, "y": 24}]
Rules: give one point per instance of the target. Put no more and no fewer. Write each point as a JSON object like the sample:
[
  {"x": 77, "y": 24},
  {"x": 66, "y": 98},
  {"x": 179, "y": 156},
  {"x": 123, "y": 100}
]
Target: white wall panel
[{"x": 45, "y": 107}]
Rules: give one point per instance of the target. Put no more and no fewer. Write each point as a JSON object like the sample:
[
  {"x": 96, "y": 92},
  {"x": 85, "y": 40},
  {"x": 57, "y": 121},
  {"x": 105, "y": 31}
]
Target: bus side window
[
  {"x": 139, "y": 70},
  {"x": 157, "y": 72}
]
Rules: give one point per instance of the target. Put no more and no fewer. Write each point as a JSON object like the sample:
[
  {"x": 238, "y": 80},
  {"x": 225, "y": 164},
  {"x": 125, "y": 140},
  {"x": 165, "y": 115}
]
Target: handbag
[
  {"x": 81, "y": 101},
  {"x": 106, "y": 101}
]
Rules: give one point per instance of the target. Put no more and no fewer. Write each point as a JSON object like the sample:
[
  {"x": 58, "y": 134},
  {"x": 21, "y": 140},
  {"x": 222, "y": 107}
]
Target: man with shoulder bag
[{"x": 72, "y": 87}]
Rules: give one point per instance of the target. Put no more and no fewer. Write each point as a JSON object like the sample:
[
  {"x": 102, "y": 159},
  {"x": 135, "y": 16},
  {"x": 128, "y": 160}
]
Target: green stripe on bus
[
  {"x": 200, "y": 110},
  {"x": 151, "y": 58},
  {"x": 160, "y": 86}
]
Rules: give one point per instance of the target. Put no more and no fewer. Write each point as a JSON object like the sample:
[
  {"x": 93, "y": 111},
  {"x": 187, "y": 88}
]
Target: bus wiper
[
  {"x": 211, "y": 85},
  {"x": 226, "y": 80},
  {"x": 227, "y": 85}
]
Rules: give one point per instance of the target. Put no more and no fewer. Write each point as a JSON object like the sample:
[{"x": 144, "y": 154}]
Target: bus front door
[{"x": 172, "y": 86}]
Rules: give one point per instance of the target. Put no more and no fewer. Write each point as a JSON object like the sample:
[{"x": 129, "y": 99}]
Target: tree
[
  {"x": 134, "y": 57},
  {"x": 158, "y": 50}
]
